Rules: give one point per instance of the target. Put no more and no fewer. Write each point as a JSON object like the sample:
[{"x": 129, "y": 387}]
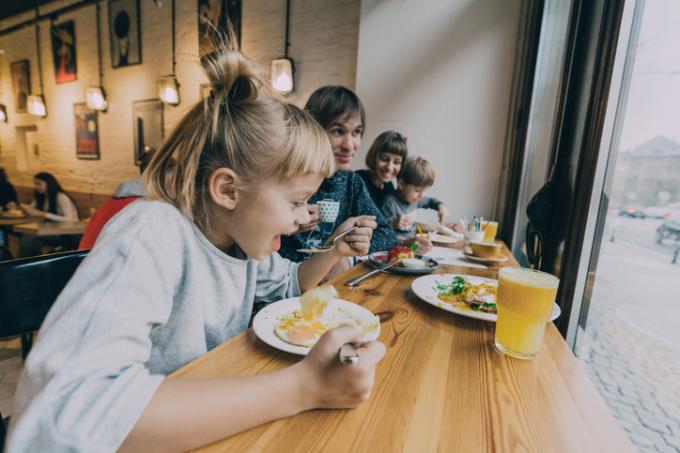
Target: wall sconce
[
  {"x": 36, "y": 105},
  {"x": 168, "y": 86},
  {"x": 96, "y": 99},
  {"x": 94, "y": 96},
  {"x": 3, "y": 113},
  {"x": 282, "y": 68},
  {"x": 282, "y": 75},
  {"x": 168, "y": 89}
]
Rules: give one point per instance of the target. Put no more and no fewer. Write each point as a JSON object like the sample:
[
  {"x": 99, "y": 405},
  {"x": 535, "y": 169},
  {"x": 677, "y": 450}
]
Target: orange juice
[
  {"x": 524, "y": 303},
  {"x": 490, "y": 231}
]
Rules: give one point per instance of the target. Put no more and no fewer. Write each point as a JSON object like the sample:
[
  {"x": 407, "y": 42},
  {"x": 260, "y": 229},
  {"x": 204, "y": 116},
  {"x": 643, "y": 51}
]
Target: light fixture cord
[
  {"x": 287, "y": 27},
  {"x": 99, "y": 48},
  {"x": 37, "y": 45},
  {"x": 173, "y": 37}
]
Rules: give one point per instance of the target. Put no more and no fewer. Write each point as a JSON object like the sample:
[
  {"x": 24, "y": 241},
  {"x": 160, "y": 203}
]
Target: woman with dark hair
[
  {"x": 384, "y": 160},
  {"x": 8, "y": 196},
  {"x": 51, "y": 203},
  {"x": 341, "y": 114}
]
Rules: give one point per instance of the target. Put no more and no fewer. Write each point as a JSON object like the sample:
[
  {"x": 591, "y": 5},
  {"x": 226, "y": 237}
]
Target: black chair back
[{"x": 28, "y": 288}]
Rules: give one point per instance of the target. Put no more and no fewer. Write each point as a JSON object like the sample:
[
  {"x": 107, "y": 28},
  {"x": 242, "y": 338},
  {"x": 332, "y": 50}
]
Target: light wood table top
[
  {"x": 440, "y": 387},
  {"x": 52, "y": 228}
]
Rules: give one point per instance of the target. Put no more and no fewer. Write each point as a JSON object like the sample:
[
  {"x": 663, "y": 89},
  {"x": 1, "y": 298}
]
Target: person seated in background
[
  {"x": 129, "y": 191},
  {"x": 416, "y": 177},
  {"x": 51, "y": 203},
  {"x": 384, "y": 160},
  {"x": 8, "y": 195}
]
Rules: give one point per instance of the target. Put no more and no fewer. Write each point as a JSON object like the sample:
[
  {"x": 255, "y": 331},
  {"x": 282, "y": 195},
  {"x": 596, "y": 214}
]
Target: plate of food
[
  {"x": 466, "y": 295},
  {"x": 14, "y": 214},
  {"x": 409, "y": 262},
  {"x": 295, "y": 325}
]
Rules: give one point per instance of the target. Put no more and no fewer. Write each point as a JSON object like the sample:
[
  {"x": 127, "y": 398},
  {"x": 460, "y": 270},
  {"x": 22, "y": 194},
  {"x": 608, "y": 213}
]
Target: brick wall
[{"x": 323, "y": 36}]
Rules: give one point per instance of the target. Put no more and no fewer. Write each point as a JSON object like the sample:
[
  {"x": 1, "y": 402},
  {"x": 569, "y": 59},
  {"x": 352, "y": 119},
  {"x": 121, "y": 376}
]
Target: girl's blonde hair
[{"x": 240, "y": 126}]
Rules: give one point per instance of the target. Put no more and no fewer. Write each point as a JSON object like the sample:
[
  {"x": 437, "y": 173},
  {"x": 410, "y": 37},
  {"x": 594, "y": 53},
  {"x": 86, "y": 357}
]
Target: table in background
[
  {"x": 441, "y": 386},
  {"x": 52, "y": 228}
]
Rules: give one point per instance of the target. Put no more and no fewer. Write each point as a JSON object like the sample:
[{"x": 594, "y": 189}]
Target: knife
[{"x": 356, "y": 280}]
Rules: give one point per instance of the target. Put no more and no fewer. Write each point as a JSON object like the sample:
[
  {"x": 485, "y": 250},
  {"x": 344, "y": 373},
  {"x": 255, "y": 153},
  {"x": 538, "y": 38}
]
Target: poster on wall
[
  {"x": 21, "y": 83},
  {"x": 213, "y": 17},
  {"x": 124, "y": 33},
  {"x": 147, "y": 117},
  {"x": 64, "y": 51},
  {"x": 87, "y": 132}
]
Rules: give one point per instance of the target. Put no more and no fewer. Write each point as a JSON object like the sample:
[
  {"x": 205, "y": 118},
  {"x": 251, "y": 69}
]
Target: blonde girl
[{"x": 176, "y": 275}]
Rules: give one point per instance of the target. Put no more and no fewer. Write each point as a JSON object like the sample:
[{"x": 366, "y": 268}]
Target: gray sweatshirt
[
  {"x": 394, "y": 207},
  {"x": 153, "y": 295}
]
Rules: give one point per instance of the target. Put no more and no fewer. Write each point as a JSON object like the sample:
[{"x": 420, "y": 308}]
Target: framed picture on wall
[
  {"x": 147, "y": 126},
  {"x": 87, "y": 132},
  {"x": 124, "y": 33},
  {"x": 64, "y": 51},
  {"x": 21, "y": 83}
]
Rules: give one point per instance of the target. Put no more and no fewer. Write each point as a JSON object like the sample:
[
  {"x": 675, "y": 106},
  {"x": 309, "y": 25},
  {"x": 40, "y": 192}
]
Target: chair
[{"x": 28, "y": 288}]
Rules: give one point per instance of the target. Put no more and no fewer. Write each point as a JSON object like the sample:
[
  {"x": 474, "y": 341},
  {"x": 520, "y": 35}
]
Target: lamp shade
[
  {"x": 95, "y": 98},
  {"x": 168, "y": 89},
  {"x": 36, "y": 105},
  {"x": 282, "y": 75},
  {"x": 3, "y": 113}
]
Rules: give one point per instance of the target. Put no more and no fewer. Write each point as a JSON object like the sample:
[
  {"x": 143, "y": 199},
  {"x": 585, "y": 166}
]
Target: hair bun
[{"x": 234, "y": 79}]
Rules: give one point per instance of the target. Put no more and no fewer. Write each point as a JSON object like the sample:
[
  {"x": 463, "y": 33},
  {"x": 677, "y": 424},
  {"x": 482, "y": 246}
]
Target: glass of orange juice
[
  {"x": 524, "y": 303},
  {"x": 490, "y": 230}
]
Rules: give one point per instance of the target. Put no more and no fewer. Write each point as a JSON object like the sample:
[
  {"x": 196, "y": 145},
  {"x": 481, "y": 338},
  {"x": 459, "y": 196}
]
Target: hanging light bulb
[
  {"x": 282, "y": 75},
  {"x": 36, "y": 105},
  {"x": 3, "y": 113},
  {"x": 168, "y": 89},
  {"x": 96, "y": 99}
]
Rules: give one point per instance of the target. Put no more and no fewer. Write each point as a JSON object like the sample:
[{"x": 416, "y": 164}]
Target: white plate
[
  {"x": 423, "y": 287},
  {"x": 443, "y": 239},
  {"x": 337, "y": 312},
  {"x": 479, "y": 259}
]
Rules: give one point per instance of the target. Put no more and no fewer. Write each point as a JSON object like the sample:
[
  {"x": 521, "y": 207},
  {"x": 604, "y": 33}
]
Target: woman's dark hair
[
  {"x": 388, "y": 142},
  {"x": 53, "y": 189},
  {"x": 331, "y": 102},
  {"x": 3, "y": 175}
]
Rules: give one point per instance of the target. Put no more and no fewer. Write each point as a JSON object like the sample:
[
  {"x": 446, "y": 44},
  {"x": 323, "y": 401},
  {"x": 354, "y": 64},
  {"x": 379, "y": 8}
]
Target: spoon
[{"x": 327, "y": 247}]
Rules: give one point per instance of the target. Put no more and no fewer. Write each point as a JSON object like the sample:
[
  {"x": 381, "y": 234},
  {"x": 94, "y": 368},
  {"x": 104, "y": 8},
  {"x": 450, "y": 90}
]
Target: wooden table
[
  {"x": 440, "y": 387},
  {"x": 52, "y": 228}
]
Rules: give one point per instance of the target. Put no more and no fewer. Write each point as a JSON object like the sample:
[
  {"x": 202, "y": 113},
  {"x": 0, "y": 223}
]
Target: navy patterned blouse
[{"x": 349, "y": 189}]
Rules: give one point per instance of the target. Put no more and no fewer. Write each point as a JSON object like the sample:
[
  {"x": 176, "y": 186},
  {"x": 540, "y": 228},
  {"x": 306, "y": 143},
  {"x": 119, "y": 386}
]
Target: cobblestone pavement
[{"x": 631, "y": 346}]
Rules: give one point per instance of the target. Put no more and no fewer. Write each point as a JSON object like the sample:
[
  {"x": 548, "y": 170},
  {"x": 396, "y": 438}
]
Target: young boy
[{"x": 417, "y": 175}]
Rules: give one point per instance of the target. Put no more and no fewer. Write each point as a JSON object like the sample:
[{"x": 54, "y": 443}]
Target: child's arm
[
  {"x": 187, "y": 413},
  {"x": 355, "y": 243}
]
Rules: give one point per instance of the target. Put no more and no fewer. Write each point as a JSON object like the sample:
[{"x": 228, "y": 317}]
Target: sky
[{"x": 654, "y": 98}]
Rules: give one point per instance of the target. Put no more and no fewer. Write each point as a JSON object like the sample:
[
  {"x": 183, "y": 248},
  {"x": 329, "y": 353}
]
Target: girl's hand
[
  {"x": 403, "y": 221},
  {"x": 443, "y": 213},
  {"x": 358, "y": 241},
  {"x": 327, "y": 383},
  {"x": 32, "y": 211}
]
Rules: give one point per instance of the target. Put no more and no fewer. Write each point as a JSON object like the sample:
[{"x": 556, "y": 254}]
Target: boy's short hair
[{"x": 417, "y": 171}]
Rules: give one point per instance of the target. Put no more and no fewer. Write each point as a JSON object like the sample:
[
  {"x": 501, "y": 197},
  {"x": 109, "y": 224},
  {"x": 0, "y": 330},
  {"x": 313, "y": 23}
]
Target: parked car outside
[
  {"x": 635, "y": 213},
  {"x": 656, "y": 212}
]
